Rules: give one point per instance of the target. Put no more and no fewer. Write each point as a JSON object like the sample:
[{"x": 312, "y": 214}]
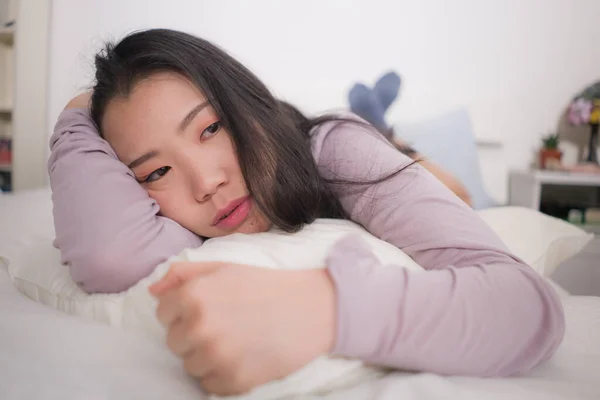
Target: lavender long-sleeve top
[{"x": 478, "y": 310}]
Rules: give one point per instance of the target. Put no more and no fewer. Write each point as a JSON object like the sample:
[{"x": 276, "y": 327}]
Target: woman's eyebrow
[
  {"x": 191, "y": 115},
  {"x": 142, "y": 159}
]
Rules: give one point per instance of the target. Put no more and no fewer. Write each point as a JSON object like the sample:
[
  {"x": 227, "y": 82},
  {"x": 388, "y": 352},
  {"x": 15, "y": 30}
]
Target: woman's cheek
[{"x": 167, "y": 203}]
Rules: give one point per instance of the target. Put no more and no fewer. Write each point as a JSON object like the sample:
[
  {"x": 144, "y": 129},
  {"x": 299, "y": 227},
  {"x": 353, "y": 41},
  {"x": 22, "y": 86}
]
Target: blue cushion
[{"x": 448, "y": 141}]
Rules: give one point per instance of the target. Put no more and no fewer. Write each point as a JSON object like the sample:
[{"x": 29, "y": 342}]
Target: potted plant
[{"x": 550, "y": 154}]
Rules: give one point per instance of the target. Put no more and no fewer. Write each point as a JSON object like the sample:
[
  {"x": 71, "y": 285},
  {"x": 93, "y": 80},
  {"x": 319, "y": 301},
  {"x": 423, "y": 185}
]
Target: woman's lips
[{"x": 234, "y": 214}]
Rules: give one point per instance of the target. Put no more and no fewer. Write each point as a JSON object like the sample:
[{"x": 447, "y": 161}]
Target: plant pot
[{"x": 549, "y": 158}]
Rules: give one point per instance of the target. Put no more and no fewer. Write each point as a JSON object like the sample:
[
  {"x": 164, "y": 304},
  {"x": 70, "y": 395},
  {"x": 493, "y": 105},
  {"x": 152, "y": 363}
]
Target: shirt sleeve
[
  {"x": 477, "y": 310},
  {"x": 107, "y": 228}
]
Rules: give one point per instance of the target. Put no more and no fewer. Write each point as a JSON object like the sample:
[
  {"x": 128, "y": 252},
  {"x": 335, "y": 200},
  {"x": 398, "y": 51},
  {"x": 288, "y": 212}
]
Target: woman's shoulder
[
  {"x": 347, "y": 146},
  {"x": 344, "y": 132}
]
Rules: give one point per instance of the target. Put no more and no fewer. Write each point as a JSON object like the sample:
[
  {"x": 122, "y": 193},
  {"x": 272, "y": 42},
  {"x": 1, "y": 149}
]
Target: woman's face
[{"x": 173, "y": 141}]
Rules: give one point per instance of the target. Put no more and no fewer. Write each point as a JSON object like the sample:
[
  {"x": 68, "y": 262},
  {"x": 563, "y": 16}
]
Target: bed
[{"x": 48, "y": 354}]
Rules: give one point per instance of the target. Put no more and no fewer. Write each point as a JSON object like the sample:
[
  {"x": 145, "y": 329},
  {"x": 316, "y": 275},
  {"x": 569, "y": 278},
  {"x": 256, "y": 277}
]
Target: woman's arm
[
  {"x": 107, "y": 227},
  {"x": 478, "y": 310}
]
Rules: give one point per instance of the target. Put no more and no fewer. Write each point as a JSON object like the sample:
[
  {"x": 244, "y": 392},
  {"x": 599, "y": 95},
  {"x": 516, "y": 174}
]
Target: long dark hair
[{"x": 271, "y": 137}]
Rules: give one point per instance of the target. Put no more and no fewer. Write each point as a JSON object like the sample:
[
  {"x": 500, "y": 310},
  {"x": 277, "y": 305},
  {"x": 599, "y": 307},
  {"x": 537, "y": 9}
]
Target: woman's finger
[
  {"x": 170, "y": 308},
  {"x": 179, "y": 338},
  {"x": 196, "y": 365}
]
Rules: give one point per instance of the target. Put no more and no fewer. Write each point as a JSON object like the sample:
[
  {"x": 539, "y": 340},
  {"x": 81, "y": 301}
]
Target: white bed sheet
[{"x": 46, "y": 354}]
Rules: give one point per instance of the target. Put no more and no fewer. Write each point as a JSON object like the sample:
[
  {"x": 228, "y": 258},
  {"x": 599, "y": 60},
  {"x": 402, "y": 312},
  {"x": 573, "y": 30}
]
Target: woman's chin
[{"x": 254, "y": 224}]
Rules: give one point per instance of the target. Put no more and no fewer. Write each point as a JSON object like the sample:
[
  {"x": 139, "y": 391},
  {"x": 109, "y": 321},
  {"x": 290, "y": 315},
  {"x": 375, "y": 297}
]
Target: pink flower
[{"x": 579, "y": 111}]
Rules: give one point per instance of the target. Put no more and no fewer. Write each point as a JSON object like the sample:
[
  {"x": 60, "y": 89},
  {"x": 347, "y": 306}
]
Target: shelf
[
  {"x": 4, "y": 109},
  {"x": 7, "y": 35},
  {"x": 489, "y": 143},
  {"x": 5, "y": 168},
  {"x": 559, "y": 178}
]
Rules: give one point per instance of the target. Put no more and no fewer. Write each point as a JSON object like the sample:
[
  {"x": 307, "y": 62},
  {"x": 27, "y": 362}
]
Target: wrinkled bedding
[{"x": 45, "y": 353}]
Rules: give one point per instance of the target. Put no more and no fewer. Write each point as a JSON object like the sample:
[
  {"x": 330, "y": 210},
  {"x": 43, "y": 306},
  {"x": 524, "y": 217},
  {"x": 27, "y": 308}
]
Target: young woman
[{"x": 181, "y": 142}]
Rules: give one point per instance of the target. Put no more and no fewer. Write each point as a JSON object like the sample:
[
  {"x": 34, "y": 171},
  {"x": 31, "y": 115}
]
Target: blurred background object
[
  {"x": 24, "y": 30},
  {"x": 585, "y": 110}
]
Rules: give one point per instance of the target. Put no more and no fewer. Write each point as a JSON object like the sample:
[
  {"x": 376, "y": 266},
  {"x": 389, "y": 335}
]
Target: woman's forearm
[
  {"x": 477, "y": 310},
  {"x": 483, "y": 320},
  {"x": 107, "y": 228}
]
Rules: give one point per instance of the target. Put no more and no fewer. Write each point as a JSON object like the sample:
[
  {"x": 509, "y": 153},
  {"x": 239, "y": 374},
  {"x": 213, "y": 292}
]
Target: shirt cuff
[{"x": 367, "y": 294}]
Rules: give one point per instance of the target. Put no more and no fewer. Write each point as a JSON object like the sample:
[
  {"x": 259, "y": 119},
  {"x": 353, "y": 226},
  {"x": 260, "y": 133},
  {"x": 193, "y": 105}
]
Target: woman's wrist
[{"x": 317, "y": 298}]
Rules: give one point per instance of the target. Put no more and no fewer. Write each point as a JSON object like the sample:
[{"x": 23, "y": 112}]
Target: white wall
[{"x": 514, "y": 64}]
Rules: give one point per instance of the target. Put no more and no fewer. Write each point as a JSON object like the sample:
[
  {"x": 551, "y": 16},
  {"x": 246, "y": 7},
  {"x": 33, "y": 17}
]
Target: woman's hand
[
  {"x": 237, "y": 326},
  {"x": 80, "y": 101}
]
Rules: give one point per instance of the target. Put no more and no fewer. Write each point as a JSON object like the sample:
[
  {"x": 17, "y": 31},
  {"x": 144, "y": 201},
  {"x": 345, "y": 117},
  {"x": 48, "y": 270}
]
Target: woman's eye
[
  {"x": 211, "y": 130},
  {"x": 156, "y": 175}
]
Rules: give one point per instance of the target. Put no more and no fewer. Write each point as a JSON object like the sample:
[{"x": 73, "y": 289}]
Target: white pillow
[
  {"x": 40, "y": 275},
  {"x": 543, "y": 242},
  {"x": 539, "y": 240},
  {"x": 134, "y": 309}
]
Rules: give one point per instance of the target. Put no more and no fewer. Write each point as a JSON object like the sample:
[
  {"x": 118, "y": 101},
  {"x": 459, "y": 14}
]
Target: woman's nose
[{"x": 206, "y": 182}]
